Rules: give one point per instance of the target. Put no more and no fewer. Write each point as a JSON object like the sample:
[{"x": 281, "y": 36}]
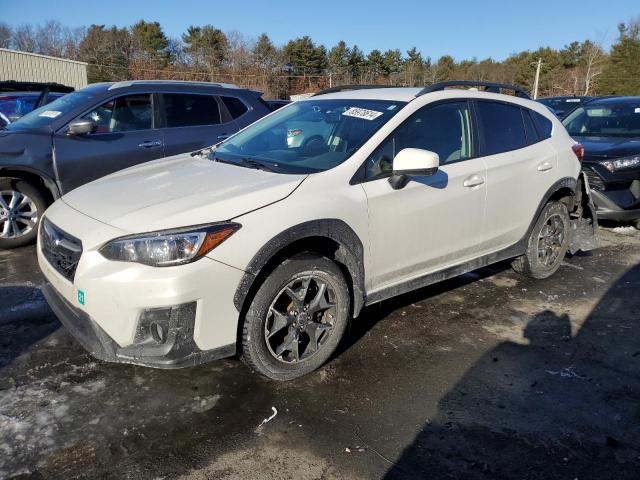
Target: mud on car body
[{"x": 260, "y": 248}]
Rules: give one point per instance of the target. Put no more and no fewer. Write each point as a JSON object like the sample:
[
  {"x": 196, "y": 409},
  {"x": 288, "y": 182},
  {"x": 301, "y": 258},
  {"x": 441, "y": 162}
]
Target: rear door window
[
  {"x": 502, "y": 127},
  {"x": 235, "y": 106},
  {"x": 187, "y": 110}
]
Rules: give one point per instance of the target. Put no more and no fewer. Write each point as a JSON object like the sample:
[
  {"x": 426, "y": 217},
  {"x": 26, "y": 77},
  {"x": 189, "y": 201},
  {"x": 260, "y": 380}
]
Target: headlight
[
  {"x": 621, "y": 163},
  {"x": 169, "y": 247}
]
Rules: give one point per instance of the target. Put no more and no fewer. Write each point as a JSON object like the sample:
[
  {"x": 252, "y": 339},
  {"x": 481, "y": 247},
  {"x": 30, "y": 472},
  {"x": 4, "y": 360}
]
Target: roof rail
[
  {"x": 129, "y": 83},
  {"x": 345, "y": 88},
  {"x": 489, "y": 87}
]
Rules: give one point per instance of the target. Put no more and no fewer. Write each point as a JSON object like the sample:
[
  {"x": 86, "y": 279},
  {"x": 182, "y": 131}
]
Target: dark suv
[
  {"x": 609, "y": 130},
  {"x": 103, "y": 128}
]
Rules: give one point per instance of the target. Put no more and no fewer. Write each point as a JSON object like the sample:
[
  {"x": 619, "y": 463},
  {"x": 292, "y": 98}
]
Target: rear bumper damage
[{"x": 584, "y": 221}]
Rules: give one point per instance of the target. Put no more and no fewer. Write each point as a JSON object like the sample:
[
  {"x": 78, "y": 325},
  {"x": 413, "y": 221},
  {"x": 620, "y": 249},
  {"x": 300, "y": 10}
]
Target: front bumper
[
  {"x": 106, "y": 303},
  {"x": 609, "y": 210},
  {"x": 178, "y": 351},
  {"x": 616, "y": 195}
]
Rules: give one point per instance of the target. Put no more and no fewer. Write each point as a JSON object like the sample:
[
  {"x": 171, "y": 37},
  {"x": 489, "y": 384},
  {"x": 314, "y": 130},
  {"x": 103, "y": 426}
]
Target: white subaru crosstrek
[{"x": 267, "y": 250}]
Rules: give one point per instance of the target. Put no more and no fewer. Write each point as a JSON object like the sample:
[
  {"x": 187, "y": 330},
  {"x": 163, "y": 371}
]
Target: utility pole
[{"x": 537, "y": 80}]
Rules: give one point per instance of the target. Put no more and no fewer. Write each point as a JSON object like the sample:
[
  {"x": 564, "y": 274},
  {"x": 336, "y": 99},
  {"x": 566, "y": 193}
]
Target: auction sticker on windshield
[
  {"x": 50, "y": 113},
  {"x": 362, "y": 113}
]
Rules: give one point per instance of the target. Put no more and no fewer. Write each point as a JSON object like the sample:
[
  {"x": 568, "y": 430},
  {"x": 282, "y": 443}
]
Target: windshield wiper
[{"x": 247, "y": 163}]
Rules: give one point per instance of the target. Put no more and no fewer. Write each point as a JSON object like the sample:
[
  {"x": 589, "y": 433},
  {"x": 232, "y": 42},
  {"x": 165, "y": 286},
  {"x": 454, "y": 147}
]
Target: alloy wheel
[
  {"x": 18, "y": 214},
  {"x": 551, "y": 240},
  {"x": 301, "y": 319}
]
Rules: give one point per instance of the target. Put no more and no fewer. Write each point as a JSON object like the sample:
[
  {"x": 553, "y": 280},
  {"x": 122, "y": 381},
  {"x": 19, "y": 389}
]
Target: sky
[{"x": 460, "y": 28}]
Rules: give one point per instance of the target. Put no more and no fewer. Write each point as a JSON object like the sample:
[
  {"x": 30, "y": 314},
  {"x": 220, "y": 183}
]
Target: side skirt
[{"x": 454, "y": 271}]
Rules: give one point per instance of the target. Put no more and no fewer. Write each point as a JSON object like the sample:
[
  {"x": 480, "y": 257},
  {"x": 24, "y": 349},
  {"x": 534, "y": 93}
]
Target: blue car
[{"x": 19, "y": 98}]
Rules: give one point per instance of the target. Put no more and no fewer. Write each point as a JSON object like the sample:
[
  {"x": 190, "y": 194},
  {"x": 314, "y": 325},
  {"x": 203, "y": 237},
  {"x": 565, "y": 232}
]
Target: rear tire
[
  {"x": 547, "y": 244},
  {"x": 21, "y": 208},
  {"x": 296, "y": 319}
]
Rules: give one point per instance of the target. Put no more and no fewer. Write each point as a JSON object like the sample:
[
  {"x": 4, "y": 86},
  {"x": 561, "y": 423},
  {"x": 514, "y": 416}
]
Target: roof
[
  {"x": 403, "y": 94},
  {"x": 29, "y": 54},
  {"x": 406, "y": 94},
  {"x": 614, "y": 100},
  {"x": 130, "y": 83}
]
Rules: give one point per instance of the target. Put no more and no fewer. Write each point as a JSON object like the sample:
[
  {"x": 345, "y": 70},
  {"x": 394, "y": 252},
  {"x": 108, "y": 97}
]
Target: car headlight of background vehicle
[
  {"x": 169, "y": 247},
  {"x": 621, "y": 163}
]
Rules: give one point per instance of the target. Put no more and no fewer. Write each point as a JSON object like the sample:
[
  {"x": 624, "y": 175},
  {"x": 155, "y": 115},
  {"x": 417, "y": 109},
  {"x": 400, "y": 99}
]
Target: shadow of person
[{"x": 554, "y": 406}]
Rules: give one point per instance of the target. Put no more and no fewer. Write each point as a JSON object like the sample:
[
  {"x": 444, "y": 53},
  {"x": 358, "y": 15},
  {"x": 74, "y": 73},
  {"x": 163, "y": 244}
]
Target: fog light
[{"x": 158, "y": 332}]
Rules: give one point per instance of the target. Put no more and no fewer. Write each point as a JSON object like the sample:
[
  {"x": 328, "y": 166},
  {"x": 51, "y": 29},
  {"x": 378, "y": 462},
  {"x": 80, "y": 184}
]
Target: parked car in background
[
  {"x": 103, "y": 128},
  {"x": 407, "y": 187},
  {"x": 562, "y": 106},
  {"x": 20, "y": 98},
  {"x": 276, "y": 104},
  {"x": 609, "y": 130}
]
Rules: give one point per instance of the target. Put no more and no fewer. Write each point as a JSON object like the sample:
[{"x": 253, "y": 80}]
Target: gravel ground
[{"x": 487, "y": 376}]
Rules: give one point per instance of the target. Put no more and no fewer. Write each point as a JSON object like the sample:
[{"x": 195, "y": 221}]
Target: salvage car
[
  {"x": 609, "y": 130},
  {"x": 257, "y": 248},
  {"x": 103, "y": 128}
]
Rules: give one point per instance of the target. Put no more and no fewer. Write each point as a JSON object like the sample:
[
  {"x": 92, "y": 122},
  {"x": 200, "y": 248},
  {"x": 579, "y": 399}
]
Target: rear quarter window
[
  {"x": 235, "y": 106},
  {"x": 543, "y": 125}
]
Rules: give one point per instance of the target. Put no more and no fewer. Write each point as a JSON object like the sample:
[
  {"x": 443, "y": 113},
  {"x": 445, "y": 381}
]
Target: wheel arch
[
  {"x": 332, "y": 238},
  {"x": 36, "y": 178}
]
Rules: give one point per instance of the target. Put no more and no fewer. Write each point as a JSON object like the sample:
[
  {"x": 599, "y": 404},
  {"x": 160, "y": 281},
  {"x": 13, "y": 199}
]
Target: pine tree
[{"x": 621, "y": 75}]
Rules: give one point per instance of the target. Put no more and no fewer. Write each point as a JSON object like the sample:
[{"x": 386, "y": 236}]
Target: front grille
[
  {"x": 62, "y": 250},
  {"x": 594, "y": 179}
]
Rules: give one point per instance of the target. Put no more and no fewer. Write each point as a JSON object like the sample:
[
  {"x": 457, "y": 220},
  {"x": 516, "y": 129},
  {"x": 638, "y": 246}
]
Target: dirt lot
[{"x": 487, "y": 376}]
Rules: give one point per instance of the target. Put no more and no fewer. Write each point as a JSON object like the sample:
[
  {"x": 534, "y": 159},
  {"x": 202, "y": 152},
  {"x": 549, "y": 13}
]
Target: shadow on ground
[{"x": 562, "y": 406}]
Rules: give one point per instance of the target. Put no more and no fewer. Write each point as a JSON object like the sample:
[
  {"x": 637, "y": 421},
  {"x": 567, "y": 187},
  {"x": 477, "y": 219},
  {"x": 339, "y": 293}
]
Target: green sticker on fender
[{"x": 80, "y": 297}]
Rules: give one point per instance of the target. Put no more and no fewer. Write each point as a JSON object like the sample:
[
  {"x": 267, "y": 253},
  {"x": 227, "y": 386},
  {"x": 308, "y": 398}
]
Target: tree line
[{"x": 144, "y": 51}]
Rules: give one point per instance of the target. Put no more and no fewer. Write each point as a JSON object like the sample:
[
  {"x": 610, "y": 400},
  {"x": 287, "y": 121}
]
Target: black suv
[
  {"x": 103, "y": 128},
  {"x": 609, "y": 130}
]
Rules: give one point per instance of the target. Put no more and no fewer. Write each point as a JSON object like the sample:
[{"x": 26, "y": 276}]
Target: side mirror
[
  {"x": 81, "y": 127},
  {"x": 413, "y": 161}
]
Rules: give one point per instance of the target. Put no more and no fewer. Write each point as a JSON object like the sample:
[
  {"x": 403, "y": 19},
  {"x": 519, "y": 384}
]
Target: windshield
[
  {"x": 605, "y": 120},
  {"x": 43, "y": 116},
  {"x": 562, "y": 105},
  {"x": 307, "y": 136}
]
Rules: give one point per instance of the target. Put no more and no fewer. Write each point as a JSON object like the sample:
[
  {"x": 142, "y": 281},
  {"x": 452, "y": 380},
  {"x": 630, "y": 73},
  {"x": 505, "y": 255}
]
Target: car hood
[
  {"x": 598, "y": 148},
  {"x": 177, "y": 192}
]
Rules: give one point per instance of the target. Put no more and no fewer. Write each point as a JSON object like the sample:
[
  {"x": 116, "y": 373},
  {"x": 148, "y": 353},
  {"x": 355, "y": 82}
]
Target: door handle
[
  {"x": 150, "y": 144},
  {"x": 473, "y": 181},
  {"x": 544, "y": 166}
]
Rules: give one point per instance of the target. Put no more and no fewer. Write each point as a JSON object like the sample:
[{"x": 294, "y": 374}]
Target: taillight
[{"x": 578, "y": 150}]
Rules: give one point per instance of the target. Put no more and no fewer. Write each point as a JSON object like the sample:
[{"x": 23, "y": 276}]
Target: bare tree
[
  {"x": 24, "y": 39},
  {"x": 593, "y": 57},
  {"x": 5, "y": 35}
]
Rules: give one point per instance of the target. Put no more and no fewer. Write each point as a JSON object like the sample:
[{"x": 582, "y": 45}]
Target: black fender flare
[
  {"x": 565, "y": 182},
  {"x": 350, "y": 253}
]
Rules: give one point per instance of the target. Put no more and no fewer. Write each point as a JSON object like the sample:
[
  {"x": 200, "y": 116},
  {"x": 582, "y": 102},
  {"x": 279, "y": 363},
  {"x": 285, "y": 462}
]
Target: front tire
[
  {"x": 296, "y": 319},
  {"x": 547, "y": 244},
  {"x": 21, "y": 207}
]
